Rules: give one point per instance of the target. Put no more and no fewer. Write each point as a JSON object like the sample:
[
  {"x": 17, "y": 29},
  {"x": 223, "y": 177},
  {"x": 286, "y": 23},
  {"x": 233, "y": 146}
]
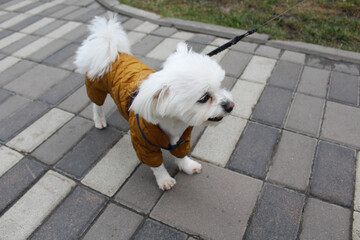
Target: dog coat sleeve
[{"x": 95, "y": 91}]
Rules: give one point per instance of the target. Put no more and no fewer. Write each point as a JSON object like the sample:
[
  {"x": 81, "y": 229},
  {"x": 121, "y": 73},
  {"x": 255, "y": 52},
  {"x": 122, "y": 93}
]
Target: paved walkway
[{"x": 282, "y": 166}]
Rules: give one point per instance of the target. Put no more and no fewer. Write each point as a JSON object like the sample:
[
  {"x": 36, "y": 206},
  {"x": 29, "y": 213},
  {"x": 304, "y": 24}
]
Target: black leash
[{"x": 251, "y": 31}]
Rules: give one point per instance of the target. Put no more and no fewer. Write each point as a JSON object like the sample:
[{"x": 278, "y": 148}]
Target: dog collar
[{"x": 169, "y": 147}]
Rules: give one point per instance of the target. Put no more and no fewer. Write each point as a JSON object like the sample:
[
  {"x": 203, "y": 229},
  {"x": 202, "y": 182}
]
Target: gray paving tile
[
  {"x": 21, "y": 119},
  {"x": 278, "y": 214},
  {"x": 285, "y": 75},
  {"x": 37, "y": 80},
  {"x": 323, "y": 221},
  {"x": 52, "y": 10},
  {"x": 50, "y": 27},
  {"x": 88, "y": 151},
  {"x": 131, "y": 23},
  {"x": 234, "y": 63},
  {"x": 48, "y": 50},
  {"x": 72, "y": 16},
  {"x": 29, "y": 7},
  {"x": 267, "y": 51},
  {"x": 344, "y": 88},
  {"x": 341, "y": 123},
  {"x": 228, "y": 83},
  {"x": 347, "y": 68},
  {"x": 293, "y": 161},
  {"x": 64, "y": 11},
  {"x": 91, "y": 14},
  {"x": 77, "y": 33},
  {"x": 152, "y": 230},
  {"x": 5, "y": 33},
  {"x": 62, "y": 141},
  {"x": 118, "y": 121},
  {"x": 114, "y": 223},
  {"x": 224, "y": 210},
  {"x": 164, "y": 31},
  {"x": 15, "y": 71},
  {"x": 18, "y": 44},
  {"x": 24, "y": 23},
  {"x": 76, "y": 101},
  {"x": 2, "y": 56},
  {"x": 196, "y": 47},
  {"x": 4, "y": 94},
  {"x": 61, "y": 55},
  {"x": 314, "y": 81},
  {"x": 72, "y": 217},
  {"x": 7, "y": 16},
  {"x": 152, "y": 63},
  {"x": 293, "y": 57},
  {"x": 202, "y": 38},
  {"x": 245, "y": 47},
  {"x": 334, "y": 174},
  {"x": 253, "y": 152},
  {"x": 305, "y": 114},
  {"x": 18, "y": 179},
  {"x": 63, "y": 89},
  {"x": 146, "y": 45},
  {"x": 11, "y": 105},
  {"x": 319, "y": 62},
  {"x": 272, "y": 106}
]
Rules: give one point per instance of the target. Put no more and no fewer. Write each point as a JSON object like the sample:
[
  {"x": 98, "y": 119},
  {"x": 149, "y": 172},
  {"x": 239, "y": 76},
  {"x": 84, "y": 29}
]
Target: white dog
[{"x": 162, "y": 106}]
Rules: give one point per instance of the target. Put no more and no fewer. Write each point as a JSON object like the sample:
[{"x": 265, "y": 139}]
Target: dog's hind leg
[
  {"x": 99, "y": 117},
  {"x": 188, "y": 165}
]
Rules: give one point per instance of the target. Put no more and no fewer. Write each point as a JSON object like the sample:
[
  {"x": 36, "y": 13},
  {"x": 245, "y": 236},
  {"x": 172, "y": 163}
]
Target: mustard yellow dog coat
[{"x": 121, "y": 82}]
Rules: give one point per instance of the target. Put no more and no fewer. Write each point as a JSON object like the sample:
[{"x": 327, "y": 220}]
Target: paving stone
[
  {"x": 47, "y": 50},
  {"x": 21, "y": 119},
  {"x": 253, "y": 152},
  {"x": 39, "y": 131},
  {"x": 29, "y": 7},
  {"x": 278, "y": 214},
  {"x": 60, "y": 56},
  {"x": 118, "y": 121},
  {"x": 8, "y": 62},
  {"x": 347, "y": 68},
  {"x": 293, "y": 161},
  {"x": 334, "y": 174},
  {"x": 225, "y": 211},
  {"x": 135, "y": 37},
  {"x": 224, "y": 137},
  {"x": 49, "y": 27},
  {"x": 76, "y": 14},
  {"x": 90, "y": 15},
  {"x": 314, "y": 81},
  {"x": 51, "y": 10},
  {"x": 114, "y": 223},
  {"x": 32, "y": 47},
  {"x": 164, "y": 49},
  {"x": 341, "y": 124},
  {"x": 234, "y": 63},
  {"x": 109, "y": 174},
  {"x": 245, "y": 95},
  {"x": 64, "y": 11},
  {"x": 68, "y": 64},
  {"x": 5, "y": 33},
  {"x": 196, "y": 47},
  {"x": 356, "y": 226},
  {"x": 19, "y": 44},
  {"x": 76, "y": 33},
  {"x": 7, "y": 16},
  {"x": 320, "y": 62},
  {"x": 324, "y": 221},
  {"x": 202, "y": 38},
  {"x": 10, "y": 39},
  {"x": 357, "y": 185},
  {"x": 36, "y": 204},
  {"x": 73, "y": 216},
  {"x": 76, "y": 101},
  {"x": 164, "y": 31},
  {"x": 228, "y": 83},
  {"x": 88, "y": 151},
  {"x": 131, "y": 24},
  {"x": 286, "y": 75},
  {"x": 344, "y": 88},
  {"x": 245, "y": 47},
  {"x": 108, "y": 108},
  {"x": 18, "y": 179},
  {"x": 14, "y": 71},
  {"x": 153, "y": 230},
  {"x": 294, "y": 57},
  {"x": 36, "y": 81},
  {"x": 26, "y": 22},
  {"x": 259, "y": 69},
  {"x": 42, "y": 8},
  {"x": 272, "y": 106},
  {"x": 267, "y": 51},
  {"x": 146, "y": 45},
  {"x": 208, "y": 48},
  {"x": 11, "y": 105},
  {"x": 152, "y": 63},
  {"x": 146, "y": 27},
  {"x": 14, "y": 20},
  {"x": 62, "y": 141},
  {"x": 8, "y": 158},
  {"x": 183, "y": 35},
  {"x": 4, "y": 94},
  {"x": 305, "y": 114},
  {"x": 61, "y": 90},
  {"x": 18, "y": 5}
]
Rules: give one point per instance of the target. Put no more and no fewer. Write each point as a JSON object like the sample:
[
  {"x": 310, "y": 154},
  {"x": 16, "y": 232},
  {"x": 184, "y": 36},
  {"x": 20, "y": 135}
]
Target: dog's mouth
[{"x": 216, "y": 119}]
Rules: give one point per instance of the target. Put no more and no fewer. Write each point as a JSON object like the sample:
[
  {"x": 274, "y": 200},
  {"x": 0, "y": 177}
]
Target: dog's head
[{"x": 188, "y": 88}]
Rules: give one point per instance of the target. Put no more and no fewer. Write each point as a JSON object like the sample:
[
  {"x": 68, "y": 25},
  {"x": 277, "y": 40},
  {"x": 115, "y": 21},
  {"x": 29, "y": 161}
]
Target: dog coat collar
[{"x": 169, "y": 147}]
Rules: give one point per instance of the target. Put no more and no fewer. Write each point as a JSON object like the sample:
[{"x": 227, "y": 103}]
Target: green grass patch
[{"x": 332, "y": 23}]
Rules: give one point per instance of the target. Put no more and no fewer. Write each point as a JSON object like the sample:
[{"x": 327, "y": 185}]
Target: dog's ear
[{"x": 183, "y": 48}]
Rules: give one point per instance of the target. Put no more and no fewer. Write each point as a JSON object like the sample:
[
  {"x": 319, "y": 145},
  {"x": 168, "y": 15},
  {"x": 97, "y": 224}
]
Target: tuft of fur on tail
[{"x": 96, "y": 54}]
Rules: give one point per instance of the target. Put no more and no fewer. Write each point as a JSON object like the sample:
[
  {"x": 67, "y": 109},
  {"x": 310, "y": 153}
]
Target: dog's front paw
[
  {"x": 166, "y": 183},
  {"x": 188, "y": 165},
  {"x": 100, "y": 124}
]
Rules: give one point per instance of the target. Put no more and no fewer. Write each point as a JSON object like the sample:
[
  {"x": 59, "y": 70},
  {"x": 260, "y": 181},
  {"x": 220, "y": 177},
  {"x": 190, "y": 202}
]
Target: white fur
[
  {"x": 169, "y": 97},
  {"x": 100, "y": 49}
]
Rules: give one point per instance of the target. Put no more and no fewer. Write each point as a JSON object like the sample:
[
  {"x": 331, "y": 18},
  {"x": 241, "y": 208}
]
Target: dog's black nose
[{"x": 228, "y": 106}]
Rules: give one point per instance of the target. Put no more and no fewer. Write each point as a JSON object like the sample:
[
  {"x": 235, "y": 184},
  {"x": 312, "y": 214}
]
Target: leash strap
[{"x": 251, "y": 31}]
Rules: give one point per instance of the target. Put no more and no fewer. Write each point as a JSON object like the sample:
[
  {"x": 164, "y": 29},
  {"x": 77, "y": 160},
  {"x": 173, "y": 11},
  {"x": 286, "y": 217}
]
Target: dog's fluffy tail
[{"x": 96, "y": 54}]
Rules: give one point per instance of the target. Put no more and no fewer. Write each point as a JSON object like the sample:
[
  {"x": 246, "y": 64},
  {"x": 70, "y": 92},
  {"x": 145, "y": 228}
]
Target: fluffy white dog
[{"x": 162, "y": 106}]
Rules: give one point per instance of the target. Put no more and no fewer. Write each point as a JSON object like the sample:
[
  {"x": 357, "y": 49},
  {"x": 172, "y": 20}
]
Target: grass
[{"x": 332, "y": 23}]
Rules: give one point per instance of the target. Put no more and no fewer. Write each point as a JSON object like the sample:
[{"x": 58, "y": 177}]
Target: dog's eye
[{"x": 204, "y": 98}]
